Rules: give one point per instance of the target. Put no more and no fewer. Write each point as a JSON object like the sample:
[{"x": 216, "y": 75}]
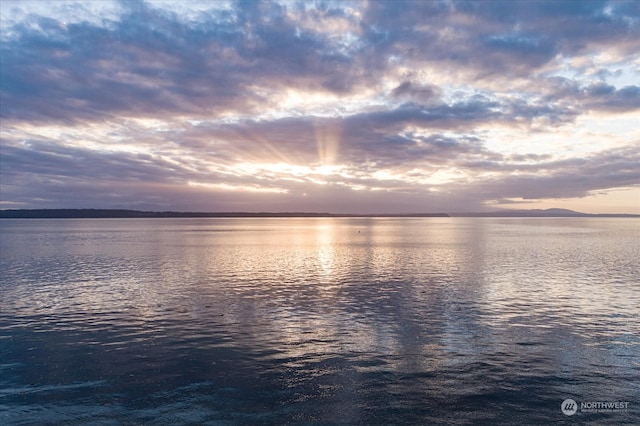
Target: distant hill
[
  {"x": 132, "y": 214},
  {"x": 538, "y": 213}
]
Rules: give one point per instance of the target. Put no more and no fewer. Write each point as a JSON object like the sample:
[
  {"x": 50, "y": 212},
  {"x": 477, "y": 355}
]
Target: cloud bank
[{"x": 372, "y": 107}]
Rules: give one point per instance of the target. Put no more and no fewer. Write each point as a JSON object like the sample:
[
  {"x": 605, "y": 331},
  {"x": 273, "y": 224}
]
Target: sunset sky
[{"x": 343, "y": 107}]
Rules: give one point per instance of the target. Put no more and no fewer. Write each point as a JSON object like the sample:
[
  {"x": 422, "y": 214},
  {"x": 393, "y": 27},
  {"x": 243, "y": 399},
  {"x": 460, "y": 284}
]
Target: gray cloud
[
  {"x": 416, "y": 92},
  {"x": 150, "y": 62},
  {"x": 567, "y": 178},
  {"x": 595, "y": 96},
  {"x": 440, "y": 77}
]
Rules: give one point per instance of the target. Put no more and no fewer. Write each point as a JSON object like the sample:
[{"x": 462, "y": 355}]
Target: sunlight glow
[
  {"x": 237, "y": 188},
  {"x": 328, "y": 143},
  {"x": 287, "y": 169}
]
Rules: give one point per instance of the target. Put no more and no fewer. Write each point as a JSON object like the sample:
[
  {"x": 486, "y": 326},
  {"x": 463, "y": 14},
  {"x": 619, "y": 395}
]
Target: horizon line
[{"x": 88, "y": 213}]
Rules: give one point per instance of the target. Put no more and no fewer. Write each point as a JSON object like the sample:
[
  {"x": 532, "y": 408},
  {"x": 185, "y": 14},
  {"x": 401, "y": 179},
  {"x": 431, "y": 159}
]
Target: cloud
[
  {"x": 416, "y": 92},
  {"x": 606, "y": 97},
  {"x": 353, "y": 105},
  {"x": 148, "y": 61},
  {"x": 594, "y": 96},
  {"x": 576, "y": 177}
]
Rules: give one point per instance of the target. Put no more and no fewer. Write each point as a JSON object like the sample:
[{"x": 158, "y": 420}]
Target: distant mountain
[{"x": 538, "y": 213}]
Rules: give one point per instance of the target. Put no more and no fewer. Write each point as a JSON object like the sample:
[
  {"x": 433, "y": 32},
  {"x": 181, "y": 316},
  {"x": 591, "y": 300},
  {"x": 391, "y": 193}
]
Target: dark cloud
[
  {"x": 598, "y": 96},
  {"x": 53, "y": 161},
  {"x": 521, "y": 52},
  {"x": 499, "y": 37},
  {"x": 150, "y": 62},
  {"x": 570, "y": 178},
  {"x": 416, "y": 92},
  {"x": 571, "y": 26},
  {"x": 606, "y": 97}
]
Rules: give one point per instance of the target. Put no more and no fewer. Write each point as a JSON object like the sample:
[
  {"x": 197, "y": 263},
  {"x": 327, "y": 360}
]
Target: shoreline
[{"x": 137, "y": 214}]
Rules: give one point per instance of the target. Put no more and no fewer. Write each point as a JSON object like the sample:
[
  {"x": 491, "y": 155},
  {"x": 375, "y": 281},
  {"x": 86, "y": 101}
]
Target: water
[{"x": 318, "y": 320}]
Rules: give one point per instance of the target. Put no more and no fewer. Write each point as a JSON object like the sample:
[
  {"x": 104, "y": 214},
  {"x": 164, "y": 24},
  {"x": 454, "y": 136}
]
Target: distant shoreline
[{"x": 133, "y": 214}]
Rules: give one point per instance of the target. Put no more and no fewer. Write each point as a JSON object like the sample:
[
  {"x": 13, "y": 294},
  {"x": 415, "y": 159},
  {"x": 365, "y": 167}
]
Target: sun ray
[{"x": 328, "y": 135}]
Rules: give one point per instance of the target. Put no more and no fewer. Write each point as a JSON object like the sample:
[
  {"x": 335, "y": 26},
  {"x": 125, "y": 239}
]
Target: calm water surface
[{"x": 318, "y": 321}]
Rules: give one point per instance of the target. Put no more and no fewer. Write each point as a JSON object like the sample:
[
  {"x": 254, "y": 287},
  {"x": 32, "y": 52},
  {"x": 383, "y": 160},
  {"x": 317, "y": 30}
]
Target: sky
[{"x": 320, "y": 106}]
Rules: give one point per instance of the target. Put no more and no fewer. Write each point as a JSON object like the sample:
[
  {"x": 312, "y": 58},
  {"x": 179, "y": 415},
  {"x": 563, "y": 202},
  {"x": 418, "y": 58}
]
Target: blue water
[{"x": 318, "y": 321}]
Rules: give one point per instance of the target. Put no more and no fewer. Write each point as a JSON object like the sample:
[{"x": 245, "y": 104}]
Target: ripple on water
[{"x": 347, "y": 321}]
